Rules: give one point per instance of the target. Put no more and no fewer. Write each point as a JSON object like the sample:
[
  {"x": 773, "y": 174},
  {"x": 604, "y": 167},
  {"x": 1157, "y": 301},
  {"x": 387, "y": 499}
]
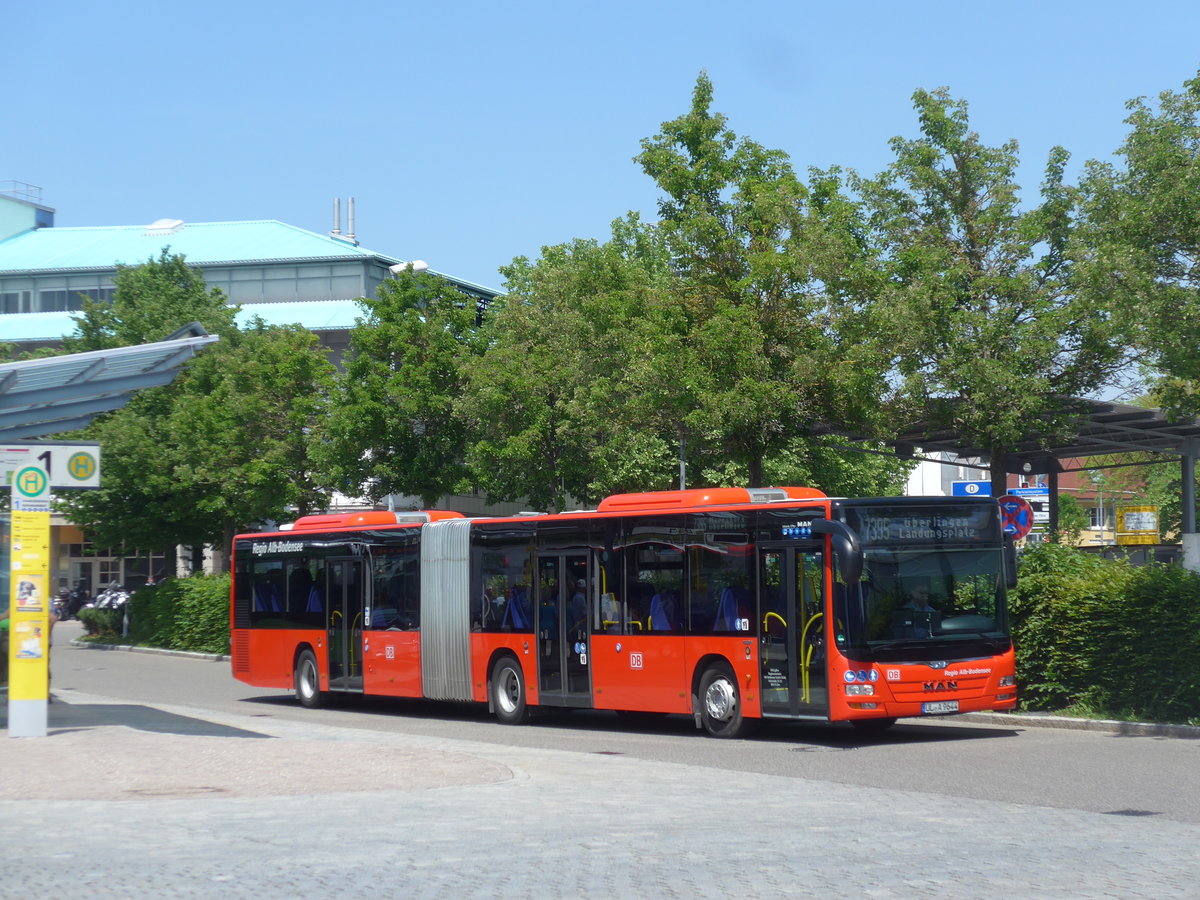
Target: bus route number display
[{"x": 909, "y": 526}]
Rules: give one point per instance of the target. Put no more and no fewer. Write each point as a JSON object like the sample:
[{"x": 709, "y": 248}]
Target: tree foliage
[
  {"x": 151, "y": 301},
  {"x": 392, "y": 428},
  {"x": 567, "y": 401},
  {"x": 1140, "y": 240},
  {"x": 991, "y": 338},
  {"x": 770, "y": 284},
  {"x": 221, "y": 448}
]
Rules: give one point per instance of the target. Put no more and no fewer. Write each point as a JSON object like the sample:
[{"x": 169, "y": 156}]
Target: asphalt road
[
  {"x": 1067, "y": 769},
  {"x": 162, "y": 776}
]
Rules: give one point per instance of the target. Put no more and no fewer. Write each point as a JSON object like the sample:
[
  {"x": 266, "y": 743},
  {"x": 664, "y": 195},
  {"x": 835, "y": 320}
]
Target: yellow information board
[
  {"x": 1137, "y": 524},
  {"x": 29, "y": 604}
]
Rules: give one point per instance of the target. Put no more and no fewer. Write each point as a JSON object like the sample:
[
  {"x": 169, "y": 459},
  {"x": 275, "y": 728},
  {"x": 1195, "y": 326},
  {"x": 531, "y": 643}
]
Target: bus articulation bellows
[{"x": 727, "y": 604}]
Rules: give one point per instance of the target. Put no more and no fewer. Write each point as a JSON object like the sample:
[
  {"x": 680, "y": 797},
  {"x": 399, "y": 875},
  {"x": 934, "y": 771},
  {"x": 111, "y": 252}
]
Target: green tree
[
  {"x": 563, "y": 403},
  {"x": 151, "y": 301},
  {"x": 392, "y": 428},
  {"x": 243, "y": 426},
  {"x": 1072, "y": 519},
  {"x": 224, "y": 446},
  {"x": 772, "y": 289},
  {"x": 990, "y": 335},
  {"x": 1140, "y": 241},
  {"x": 590, "y": 372}
]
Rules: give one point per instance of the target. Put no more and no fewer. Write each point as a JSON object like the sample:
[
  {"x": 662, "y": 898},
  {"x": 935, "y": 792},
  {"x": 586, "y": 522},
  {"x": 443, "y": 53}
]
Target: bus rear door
[
  {"x": 564, "y": 589},
  {"x": 792, "y": 629},
  {"x": 346, "y": 585}
]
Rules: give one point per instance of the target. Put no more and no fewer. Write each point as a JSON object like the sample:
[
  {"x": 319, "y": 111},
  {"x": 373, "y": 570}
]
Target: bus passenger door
[
  {"x": 564, "y": 592},
  {"x": 345, "y": 624},
  {"x": 792, "y": 630}
]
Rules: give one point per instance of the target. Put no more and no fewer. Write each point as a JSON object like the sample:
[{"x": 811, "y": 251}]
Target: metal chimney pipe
[
  {"x": 337, "y": 216},
  {"x": 350, "y": 220}
]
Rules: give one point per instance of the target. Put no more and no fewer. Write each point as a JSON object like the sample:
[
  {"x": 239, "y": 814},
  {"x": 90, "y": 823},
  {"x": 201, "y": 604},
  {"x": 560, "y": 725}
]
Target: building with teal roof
[
  {"x": 274, "y": 271},
  {"x": 278, "y": 272}
]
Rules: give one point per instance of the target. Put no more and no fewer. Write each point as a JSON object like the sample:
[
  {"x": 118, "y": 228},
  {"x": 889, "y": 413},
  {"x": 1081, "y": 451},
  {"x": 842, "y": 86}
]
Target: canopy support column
[{"x": 1189, "y": 537}]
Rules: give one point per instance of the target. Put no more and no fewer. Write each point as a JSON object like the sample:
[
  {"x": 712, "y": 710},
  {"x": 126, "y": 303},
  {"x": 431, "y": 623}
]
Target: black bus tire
[
  {"x": 307, "y": 680},
  {"x": 721, "y": 702},
  {"x": 508, "y": 692}
]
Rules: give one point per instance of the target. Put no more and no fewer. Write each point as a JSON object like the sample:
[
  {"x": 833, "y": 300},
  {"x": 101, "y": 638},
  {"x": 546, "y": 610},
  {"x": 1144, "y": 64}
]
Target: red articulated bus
[{"x": 727, "y": 604}]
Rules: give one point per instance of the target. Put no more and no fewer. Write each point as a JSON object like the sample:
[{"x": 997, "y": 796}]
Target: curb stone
[{"x": 161, "y": 651}]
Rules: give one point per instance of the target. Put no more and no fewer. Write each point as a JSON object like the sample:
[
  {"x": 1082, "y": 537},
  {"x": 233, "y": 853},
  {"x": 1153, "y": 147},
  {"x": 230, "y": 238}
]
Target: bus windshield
[{"x": 932, "y": 582}]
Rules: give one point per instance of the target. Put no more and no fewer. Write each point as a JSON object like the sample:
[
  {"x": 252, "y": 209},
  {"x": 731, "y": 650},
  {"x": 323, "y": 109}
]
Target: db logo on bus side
[{"x": 635, "y": 660}]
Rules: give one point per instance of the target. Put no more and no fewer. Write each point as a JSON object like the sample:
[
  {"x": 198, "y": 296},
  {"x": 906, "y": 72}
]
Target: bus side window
[
  {"x": 300, "y": 585},
  {"x": 316, "y": 597}
]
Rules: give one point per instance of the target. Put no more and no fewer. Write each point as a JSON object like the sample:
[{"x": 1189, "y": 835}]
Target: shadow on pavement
[
  {"x": 839, "y": 736},
  {"x": 63, "y": 717}
]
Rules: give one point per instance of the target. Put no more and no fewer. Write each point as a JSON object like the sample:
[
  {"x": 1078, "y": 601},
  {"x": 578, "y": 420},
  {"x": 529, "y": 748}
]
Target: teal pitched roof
[
  {"x": 47, "y": 326},
  {"x": 315, "y": 315},
  {"x": 202, "y": 243}
]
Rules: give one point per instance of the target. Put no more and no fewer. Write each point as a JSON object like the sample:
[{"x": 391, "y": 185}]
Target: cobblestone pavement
[{"x": 172, "y": 802}]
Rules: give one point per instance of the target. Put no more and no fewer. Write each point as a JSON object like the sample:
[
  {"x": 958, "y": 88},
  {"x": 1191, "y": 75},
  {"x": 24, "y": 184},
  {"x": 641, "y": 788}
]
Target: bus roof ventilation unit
[{"x": 729, "y": 496}]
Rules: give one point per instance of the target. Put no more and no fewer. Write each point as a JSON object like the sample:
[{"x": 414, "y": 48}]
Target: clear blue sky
[{"x": 470, "y": 133}]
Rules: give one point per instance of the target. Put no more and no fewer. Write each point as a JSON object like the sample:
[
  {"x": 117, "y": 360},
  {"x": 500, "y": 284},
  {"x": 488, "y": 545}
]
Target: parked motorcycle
[
  {"x": 79, "y": 598},
  {"x": 112, "y": 597}
]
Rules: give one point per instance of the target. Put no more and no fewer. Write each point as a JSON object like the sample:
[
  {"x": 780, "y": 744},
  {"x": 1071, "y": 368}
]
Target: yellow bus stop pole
[{"x": 29, "y": 605}]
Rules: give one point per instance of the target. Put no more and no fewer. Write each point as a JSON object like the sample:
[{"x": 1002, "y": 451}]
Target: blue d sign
[{"x": 971, "y": 489}]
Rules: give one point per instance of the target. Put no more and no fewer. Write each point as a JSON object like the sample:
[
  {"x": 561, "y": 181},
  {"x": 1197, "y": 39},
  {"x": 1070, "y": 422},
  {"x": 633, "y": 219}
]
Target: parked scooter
[{"x": 61, "y": 605}]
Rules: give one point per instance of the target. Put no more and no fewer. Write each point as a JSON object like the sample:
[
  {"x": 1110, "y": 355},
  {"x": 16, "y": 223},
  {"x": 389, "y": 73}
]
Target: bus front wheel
[
  {"x": 721, "y": 703},
  {"x": 508, "y": 692},
  {"x": 308, "y": 680}
]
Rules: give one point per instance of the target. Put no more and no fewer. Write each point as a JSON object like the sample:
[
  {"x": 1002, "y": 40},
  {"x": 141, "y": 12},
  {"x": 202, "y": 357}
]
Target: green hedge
[
  {"x": 182, "y": 614},
  {"x": 1106, "y": 638}
]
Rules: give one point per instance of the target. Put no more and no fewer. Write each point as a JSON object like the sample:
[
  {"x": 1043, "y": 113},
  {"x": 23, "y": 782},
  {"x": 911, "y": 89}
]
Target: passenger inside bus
[
  {"x": 300, "y": 588},
  {"x": 548, "y": 615},
  {"x": 578, "y": 607}
]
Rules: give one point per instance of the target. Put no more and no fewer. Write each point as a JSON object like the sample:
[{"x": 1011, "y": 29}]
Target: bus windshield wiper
[{"x": 901, "y": 642}]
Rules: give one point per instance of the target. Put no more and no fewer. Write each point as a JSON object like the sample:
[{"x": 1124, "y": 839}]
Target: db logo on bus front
[{"x": 635, "y": 660}]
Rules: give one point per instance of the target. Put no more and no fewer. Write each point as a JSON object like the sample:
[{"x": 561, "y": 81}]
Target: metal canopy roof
[
  {"x": 1104, "y": 428},
  {"x": 63, "y": 393}
]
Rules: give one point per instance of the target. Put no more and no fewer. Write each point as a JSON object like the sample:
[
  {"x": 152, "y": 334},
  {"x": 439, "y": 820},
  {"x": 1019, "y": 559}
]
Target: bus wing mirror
[
  {"x": 1010, "y": 561},
  {"x": 845, "y": 544}
]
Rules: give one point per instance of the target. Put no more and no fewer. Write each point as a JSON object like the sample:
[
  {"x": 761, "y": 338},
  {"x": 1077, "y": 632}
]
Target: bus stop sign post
[
  {"x": 1016, "y": 516},
  {"x": 29, "y": 604},
  {"x": 32, "y": 470}
]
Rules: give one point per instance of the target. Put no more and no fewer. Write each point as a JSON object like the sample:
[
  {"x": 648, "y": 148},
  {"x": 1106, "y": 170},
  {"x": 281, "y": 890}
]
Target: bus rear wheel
[
  {"x": 508, "y": 692},
  {"x": 721, "y": 703},
  {"x": 307, "y": 680}
]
